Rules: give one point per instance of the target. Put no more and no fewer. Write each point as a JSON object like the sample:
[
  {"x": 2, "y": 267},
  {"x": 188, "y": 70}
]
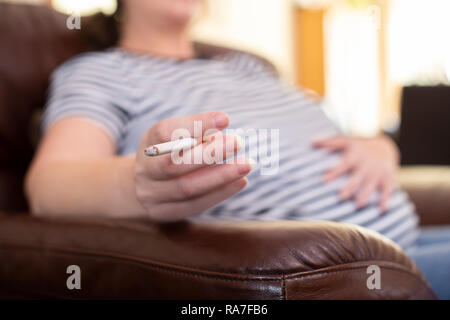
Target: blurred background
[{"x": 366, "y": 58}]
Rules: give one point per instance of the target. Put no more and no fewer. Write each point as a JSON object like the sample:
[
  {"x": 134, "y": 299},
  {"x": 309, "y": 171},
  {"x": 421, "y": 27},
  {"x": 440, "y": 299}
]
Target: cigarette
[{"x": 172, "y": 146}]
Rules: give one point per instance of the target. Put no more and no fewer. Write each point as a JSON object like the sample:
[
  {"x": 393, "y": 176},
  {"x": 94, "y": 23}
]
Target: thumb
[{"x": 334, "y": 143}]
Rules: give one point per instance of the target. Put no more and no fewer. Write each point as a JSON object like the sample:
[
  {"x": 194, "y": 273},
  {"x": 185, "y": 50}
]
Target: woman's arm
[{"x": 76, "y": 172}]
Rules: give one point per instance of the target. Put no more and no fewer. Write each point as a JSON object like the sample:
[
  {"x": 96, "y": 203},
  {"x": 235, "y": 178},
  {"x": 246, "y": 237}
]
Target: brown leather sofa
[{"x": 137, "y": 259}]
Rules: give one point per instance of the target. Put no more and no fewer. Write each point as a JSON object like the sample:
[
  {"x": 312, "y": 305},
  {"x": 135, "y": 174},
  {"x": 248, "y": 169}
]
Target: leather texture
[
  {"x": 34, "y": 41},
  {"x": 140, "y": 260},
  {"x": 249, "y": 260},
  {"x": 429, "y": 188}
]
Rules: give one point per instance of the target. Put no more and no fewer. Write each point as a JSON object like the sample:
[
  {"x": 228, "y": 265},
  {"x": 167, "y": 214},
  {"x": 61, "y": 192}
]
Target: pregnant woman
[{"x": 106, "y": 107}]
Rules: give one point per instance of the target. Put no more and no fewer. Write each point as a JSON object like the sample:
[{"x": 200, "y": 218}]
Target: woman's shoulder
[{"x": 101, "y": 63}]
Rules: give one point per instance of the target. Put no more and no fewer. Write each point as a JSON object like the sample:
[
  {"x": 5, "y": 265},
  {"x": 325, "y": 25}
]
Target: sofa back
[{"x": 34, "y": 40}]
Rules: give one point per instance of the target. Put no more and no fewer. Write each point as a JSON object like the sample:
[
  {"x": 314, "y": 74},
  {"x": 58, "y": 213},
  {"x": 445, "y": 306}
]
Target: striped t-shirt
[{"x": 126, "y": 94}]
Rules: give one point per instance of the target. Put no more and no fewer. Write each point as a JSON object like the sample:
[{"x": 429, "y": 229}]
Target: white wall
[
  {"x": 419, "y": 46},
  {"x": 352, "y": 69},
  {"x": 261, "y": 26}
]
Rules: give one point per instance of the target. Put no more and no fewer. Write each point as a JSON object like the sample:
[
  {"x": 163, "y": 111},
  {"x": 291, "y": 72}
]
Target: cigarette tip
[{"x": 151, "y": 151}]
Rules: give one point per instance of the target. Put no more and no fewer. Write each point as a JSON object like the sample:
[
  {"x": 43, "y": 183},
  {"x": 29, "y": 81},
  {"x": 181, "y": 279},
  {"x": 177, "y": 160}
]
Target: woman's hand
[
  {"x": 372, "y": 163},
  {"x": 169, "y": 191}
]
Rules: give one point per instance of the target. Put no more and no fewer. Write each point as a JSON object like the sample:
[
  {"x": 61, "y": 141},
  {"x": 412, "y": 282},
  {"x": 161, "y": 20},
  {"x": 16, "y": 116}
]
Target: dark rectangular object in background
[{"x": 425, "y": 127}]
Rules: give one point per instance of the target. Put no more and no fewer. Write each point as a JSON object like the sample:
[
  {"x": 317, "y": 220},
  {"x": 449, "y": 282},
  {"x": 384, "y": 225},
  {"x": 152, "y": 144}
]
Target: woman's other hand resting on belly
[
  {"x": 76, "y": 172},
  {"x": 372, "y": 164}
]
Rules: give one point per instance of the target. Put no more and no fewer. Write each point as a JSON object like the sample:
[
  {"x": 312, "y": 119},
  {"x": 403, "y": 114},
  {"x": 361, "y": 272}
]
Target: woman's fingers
[
  {"x": 354, "y": 183},
  {"x": 334, "y": 143},
  {"x": 387, "y": 188},
  {"x": 177, "y": 185},
  {"x": 204, "y": 181},
  {"x": 370, "y": 162},
  {"x": 170, "y": 166},
  {"x": 347, "y": 163},
  {"x": 368, "y": 184},
  {"x": 369, "y": 187},
  {"x": 169, "y": 212},
  {"x": 164, "y": 130}
]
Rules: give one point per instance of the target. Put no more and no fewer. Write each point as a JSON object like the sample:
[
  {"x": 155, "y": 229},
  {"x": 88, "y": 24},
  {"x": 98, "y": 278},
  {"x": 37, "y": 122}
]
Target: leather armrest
[
  {"x": 429, "y": 189},
  {"x": 208, "y": 260}
]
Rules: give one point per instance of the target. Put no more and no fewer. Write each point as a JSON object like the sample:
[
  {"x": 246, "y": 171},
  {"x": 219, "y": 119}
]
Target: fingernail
[
  {"x": 246, "y": 168},
  {"x": 221, "y": 121}
]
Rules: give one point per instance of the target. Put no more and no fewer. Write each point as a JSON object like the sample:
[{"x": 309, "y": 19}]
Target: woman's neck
[{"x": 174, "y": 43}]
